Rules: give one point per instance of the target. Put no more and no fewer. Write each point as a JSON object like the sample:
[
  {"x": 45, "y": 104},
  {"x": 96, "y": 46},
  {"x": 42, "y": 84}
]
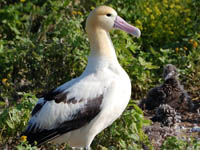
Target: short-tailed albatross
[{"x": 78, "y": 110}]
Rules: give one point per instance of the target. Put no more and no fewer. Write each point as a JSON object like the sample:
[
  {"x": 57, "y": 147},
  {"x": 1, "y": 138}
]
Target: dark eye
[{"x": 108, "y": 15}]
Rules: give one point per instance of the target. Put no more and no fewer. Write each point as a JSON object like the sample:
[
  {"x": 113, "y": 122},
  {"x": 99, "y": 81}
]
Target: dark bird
[{"x": 171, "y": 92}]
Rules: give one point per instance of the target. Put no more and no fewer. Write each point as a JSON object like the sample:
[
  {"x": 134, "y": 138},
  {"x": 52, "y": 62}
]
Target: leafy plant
[
  {"x": 174, "y": 143},
  {"x": 25, "y": 146},
  {"x": 14, "y": 119}
]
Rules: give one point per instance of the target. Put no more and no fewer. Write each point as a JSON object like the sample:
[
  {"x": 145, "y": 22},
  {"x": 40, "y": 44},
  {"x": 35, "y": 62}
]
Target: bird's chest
[
  {"x": 172, "y": 93},
  {"x": 118, "y": 96}
]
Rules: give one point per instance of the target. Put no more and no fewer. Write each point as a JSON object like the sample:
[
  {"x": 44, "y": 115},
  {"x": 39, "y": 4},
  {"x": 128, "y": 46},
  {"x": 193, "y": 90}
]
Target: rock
[
  {"x": 158, "y": 134},
  {"x": 166, "y": 115}
]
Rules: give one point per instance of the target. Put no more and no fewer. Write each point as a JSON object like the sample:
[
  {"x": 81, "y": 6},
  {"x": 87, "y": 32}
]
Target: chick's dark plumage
[{"x": 171, "y": 92}]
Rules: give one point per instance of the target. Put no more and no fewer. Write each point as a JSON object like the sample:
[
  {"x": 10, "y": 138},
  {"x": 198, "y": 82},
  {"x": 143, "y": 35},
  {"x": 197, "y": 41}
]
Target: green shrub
[
  {"x": 49, "y": 55},
  {"x": 13, "y": 120},
  {"x": 174, "y": 143}
]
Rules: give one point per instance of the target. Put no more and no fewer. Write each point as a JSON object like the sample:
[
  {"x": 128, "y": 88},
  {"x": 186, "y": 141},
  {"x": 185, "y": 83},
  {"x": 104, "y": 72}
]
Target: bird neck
[{"x": 101, "y": 44}]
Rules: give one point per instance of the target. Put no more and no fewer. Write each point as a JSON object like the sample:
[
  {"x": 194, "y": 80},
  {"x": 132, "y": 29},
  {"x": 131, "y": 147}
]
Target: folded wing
[{"x": 61, "y": 111}]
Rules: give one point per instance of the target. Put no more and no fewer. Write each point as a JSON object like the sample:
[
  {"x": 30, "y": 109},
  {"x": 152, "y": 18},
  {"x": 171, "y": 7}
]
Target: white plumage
[{"x": 78, "y": 110}]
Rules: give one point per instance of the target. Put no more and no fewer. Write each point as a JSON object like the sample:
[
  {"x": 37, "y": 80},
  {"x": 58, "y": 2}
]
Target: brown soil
[{"x": 188, "y": 127}]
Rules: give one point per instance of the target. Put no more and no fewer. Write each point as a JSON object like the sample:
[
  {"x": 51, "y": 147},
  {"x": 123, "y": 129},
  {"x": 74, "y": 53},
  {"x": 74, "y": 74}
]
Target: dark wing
[
  {"x": 82, "y": 116},
  {"x": 155, "y": 97}
]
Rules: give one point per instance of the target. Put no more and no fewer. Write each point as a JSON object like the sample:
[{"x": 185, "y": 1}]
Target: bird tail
[{"x": 39, "y": 137}]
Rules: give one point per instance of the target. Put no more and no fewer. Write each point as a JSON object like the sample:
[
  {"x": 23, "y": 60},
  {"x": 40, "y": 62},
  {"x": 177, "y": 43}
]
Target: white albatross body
[
  {"x": 105, "y": 78},
  {"x": 78, "y": 110}
]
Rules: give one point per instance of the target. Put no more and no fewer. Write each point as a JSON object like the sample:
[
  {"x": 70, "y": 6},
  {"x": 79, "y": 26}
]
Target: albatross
[{"x": 78, "y": 110}]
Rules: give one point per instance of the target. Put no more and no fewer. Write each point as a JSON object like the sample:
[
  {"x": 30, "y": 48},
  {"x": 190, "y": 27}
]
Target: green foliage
[
  {"x": 28, "y": 58},
  {"x": 173, "y": 143},
  {"x": 14, "y": 119},
  {"x": 162, "y": 21},
  {"x": 43, "y": 44},
  {"x": 125, "y": 133},
  {"x": 25, "y": 146}
]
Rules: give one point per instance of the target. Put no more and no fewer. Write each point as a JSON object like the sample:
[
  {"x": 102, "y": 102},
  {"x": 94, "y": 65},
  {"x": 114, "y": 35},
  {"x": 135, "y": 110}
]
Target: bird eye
[{"x": 108, "y": 15}]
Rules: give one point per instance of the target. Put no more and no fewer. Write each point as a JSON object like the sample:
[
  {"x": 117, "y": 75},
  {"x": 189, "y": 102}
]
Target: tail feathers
[
  {"x": 36, "y": 136},
  {"x": 39, "y": 137}
]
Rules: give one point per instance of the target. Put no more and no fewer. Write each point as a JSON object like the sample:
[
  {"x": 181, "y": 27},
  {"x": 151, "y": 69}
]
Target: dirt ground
[{"x": 189, "y": 126}]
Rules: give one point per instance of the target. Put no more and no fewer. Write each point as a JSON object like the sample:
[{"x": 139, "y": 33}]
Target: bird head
[
  {"x": 106, "y": 18},
  {"x": 170, "y": 71}
]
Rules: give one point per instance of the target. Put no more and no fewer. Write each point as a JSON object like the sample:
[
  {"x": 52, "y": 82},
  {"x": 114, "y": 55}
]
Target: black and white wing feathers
[{"x": 56, "y": 114}]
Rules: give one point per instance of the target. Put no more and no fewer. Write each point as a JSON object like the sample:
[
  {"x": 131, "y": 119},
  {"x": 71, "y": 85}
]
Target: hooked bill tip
[
  {"x": 137, "y": 33},
  {"x": 123, "y": 25}
]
